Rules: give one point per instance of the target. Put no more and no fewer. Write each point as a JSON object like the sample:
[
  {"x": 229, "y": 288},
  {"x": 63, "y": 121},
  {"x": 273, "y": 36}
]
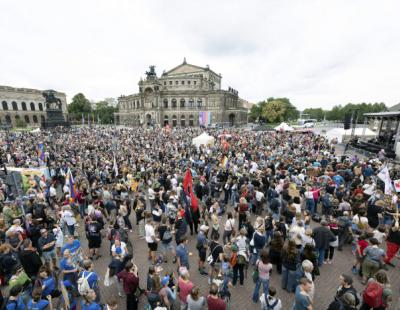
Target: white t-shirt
[
  {"x": 298, "y": 207},
  {"x": 360, "y": 219},
  {"x": 53, "y": 191},
  {"x": 150, "y": 233},
  {"x": 259, "y": 196},
  {"x": 91, "y": 209},
  {"x": 123, "y": 249},
  {"x": 380, "y": 236},
  {"x": 229, "y": 224},
  {"x": 69, "y": 218}
]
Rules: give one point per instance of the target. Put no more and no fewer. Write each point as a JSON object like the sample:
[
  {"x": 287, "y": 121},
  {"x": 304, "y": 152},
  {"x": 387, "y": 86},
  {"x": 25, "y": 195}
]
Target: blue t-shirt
[
  {"x": 65, "y": 265},
  {"x": 202, "y": 240},
  {"x": 92, "y": 306},
  {"x": 92, "y": 279},
  {"x": 15, "y": 304},
  {"x": 50, "y": 285},
  {"x": 183, "y": 255},
  {"x": 71, "y": 247},
  {"x": 301, "y": 301},
  {"x": 40, "y": 305},
  {"x": 338, "y": 179}
]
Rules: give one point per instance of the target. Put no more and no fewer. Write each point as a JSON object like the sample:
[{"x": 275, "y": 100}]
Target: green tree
[
  {"x": 285, "y": 110},
  {"x": 339, "y": 112},
  {"x": 274, "y": 111},
  {"x": 315, "y": 113},
  {"x": 256, "y": 112},
  {"x": 104, "y": 112},
  {"x": 80, "y": 104}
]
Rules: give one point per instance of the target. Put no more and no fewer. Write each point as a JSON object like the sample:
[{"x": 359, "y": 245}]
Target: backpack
[
  {"x": 270, "y": 306},
  {"x": 83, "y": 284},
  {"x": 372, "y": 295},
  {"x": 342, "y": 223},
  {"x": 316, "y": 218},
  {"x": 234, "y": 259},
  {"x": 269, "y": 224},
  {"x": 167, "y": 236}
]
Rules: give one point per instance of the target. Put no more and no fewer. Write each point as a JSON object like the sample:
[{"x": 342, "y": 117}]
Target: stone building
[
  {"x": 26, "y": 104},
  {"x": 186, "y": 95}
]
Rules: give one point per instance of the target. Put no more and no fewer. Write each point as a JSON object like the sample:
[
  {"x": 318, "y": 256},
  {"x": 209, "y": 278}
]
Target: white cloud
[{"x": 317, "y": 53}]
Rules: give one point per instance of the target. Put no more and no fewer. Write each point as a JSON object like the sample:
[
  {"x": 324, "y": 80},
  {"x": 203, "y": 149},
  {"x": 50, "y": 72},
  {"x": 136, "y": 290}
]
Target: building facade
[
  {"x": 25, "y": 104},
  {"x": 186, "y": 95}
]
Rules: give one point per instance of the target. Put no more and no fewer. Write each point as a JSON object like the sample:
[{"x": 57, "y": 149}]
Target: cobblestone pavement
[{"x": 325, "y": 284}]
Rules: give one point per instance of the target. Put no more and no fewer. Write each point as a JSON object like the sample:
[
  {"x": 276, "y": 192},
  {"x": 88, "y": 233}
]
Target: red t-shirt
[
  {"x": 362, "y": 244},
  {"x": 215, "y": 303},
  {"x": 243, "y": 207},
  {"x": 184, "y": 289}
]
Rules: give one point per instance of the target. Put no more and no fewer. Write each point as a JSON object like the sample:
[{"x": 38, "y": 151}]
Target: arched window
[
  {"x": 17, "y": 117},
  {"x": 23, "y": 104},
  {"x": 174, "y": 120},
  {"x": 40, "y": 106},
  {"x": 173, "y": 103},
  {"x": 8, "y": 119},
  {"x": 191, "y": 120},
  {"x": 191, "y": 102},
  {"x": 199, "y": 102},
  {"x": 27, "y": 120},
  {"x": 33, "y": 106},
  {"x": 165, "y": 103},
  {"x": 183, "y": 120},
  {"x": 5, "y": 105},
  {"x": 166, "y": 120},
  {"x": 42, "y": 119},
  {"x": 14, "y": 106},
  {"x": 35, "y": 119},
  {"x": 182, "y": 103}
]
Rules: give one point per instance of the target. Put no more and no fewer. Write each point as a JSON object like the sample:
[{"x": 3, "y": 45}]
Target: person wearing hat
[
  {"x": 168, "y": 295},
  {"x": 201, "y": 247}
]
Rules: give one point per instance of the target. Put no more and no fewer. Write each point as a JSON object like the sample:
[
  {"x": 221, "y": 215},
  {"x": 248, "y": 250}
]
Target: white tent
[
  {"x": 203, "y": 139},
  {"x": 283, "y": 127},
  {"x": 36, "y": 130},
  {"x": 343, "y": 135}
]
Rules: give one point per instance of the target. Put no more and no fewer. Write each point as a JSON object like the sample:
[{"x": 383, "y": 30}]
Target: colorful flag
[
  {"x": 71, "y": 184},
  {"x": 83, "y": 120},
  {"x": 225, "y": 162},
  {"x": 41, "y": 151}
]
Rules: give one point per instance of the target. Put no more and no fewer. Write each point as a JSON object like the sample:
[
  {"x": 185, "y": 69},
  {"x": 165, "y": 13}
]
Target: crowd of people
[{"x": 255, "y": 203}]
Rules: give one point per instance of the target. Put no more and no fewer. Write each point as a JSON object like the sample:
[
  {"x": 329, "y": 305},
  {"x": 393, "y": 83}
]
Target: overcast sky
[{"x": 317, "y": 53}]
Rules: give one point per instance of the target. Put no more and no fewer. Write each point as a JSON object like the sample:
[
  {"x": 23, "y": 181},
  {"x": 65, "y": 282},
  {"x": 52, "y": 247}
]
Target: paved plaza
[{"x": 325, "y": 284}]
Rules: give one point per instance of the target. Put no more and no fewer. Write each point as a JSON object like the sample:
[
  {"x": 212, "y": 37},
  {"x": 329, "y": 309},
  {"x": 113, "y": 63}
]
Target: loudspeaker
[{"x": 347, "y": 121}]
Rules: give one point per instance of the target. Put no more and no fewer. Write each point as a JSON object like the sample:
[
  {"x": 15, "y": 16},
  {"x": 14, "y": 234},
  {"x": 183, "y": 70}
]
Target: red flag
[
  {"x": 193, "y": 201},
  {"x": 187, "y": 182}
]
